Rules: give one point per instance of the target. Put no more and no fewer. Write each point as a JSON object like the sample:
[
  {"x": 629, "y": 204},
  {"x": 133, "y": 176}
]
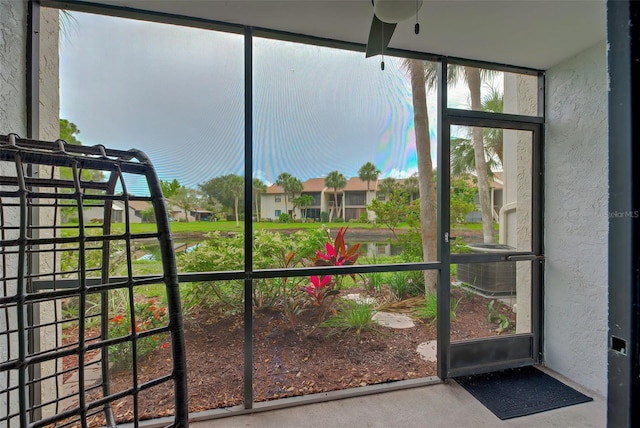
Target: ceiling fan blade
[{"x": 379, "y": 30}]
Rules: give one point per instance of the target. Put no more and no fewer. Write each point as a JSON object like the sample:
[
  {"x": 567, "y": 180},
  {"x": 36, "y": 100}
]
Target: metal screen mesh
[{"x": 73, "y": 324}]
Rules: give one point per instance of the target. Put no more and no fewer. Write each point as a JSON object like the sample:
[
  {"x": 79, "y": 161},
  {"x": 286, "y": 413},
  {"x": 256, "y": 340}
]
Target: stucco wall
[
  {"x": 576, "y": 221},
  {"x": 12, "y": 119},
  {"x": 12, "y": 67}
]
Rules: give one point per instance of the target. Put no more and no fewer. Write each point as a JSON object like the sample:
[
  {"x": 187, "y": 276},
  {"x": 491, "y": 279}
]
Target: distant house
[
  {"x": 272, "y": 203},
  {"x": 96, "y": 213},
  {"x": 352, "y": 201},
  {"x": 356, "y": 199},
  {"x": 313, "y": 187},
  {"x": 496, "y": 184},
  {"x": 139, "y": 207},
  {"x": 201, "y": 215}
]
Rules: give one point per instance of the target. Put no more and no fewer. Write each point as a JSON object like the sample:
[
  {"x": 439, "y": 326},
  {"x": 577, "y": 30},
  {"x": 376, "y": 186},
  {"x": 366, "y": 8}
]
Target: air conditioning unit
[{"x": 489, "y": 279}]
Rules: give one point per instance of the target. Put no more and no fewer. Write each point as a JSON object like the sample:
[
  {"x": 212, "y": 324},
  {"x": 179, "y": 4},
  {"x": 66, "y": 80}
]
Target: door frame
[{"x": 489, "y": 354}]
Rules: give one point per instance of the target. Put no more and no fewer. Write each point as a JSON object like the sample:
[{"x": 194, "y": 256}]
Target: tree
[
  {"x": 68, "y": 132},
  {"x": 473, "y": 78},
  {"x": 393, "y": 210},
  {"x": 413, "y": 187},
  {"x": 462, "y": 151},
  {"x": 388, "y": 185},
  {"x": 368, "y": 173},
  {"x": 426, "y": 184},
  {"x": 461, "y": 198},
  {"x": 283, "y": 181},
  {"x": 336, "y": 181},
  {"x": 148, "y": 215},
  {"x": 169, "y": 188},
  {"x": 302, "y": 202},
  {"x": 186, "y": 199},
  {"x": 234, "y": 187},
  {"x": 290, "y": 185},
  {"x": 216, "y": 191},
  {"x": 294, "y": 186},
  {"x": 259, "y": 188}
]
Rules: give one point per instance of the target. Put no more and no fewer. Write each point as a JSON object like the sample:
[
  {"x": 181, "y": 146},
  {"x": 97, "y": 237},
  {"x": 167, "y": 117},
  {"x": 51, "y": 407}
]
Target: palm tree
[
  {"x": 283, "y": 181},
  {"x": 426, "y": 184},
  {"x": 291, "y": 185},
  {"x": 235, "y": 188},
  {"x": 473, "y": 78},
  {"x": 368, "y": 172},
  {"x": 412, "y": 185},
  {"x": 294, "y": 186},
  {"x": 259, "y": 188},
  {"x": 336, "y": 181},
  {"x": 388, "y": 185},
  {"x": 302, "y": 202}
]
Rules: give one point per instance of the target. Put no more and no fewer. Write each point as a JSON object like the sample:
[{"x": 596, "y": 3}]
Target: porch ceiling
[{"x": 530, "y": 33}]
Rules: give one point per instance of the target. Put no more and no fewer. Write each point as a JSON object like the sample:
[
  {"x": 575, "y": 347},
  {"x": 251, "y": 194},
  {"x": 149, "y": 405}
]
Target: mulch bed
[{"x": 290, "y": 362}]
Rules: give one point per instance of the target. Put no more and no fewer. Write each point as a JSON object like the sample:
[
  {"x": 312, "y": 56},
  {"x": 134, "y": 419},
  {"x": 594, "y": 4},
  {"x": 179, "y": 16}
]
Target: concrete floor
[{"x": 441, "y": 405}]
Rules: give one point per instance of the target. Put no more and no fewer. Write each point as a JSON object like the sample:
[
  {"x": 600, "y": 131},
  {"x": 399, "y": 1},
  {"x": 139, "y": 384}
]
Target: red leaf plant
[
  {"x": 322, "y": 293},
  {"x": 338, "y": 254}
]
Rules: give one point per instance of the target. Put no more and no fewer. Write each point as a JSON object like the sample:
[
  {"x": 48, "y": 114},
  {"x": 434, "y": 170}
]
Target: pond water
[{"x": 375, "y": 245}]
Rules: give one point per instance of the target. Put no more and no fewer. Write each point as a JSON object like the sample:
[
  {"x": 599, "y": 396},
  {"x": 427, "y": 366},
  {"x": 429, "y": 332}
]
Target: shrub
[
  {"x": 338, "y": 220},
  {"x": 402, "y": 285},
  {"x": 284, "y": 218},
  {"x": 148, "y": 315},
  {"x": 373, "y": 281},
  {"x": 324, "y": 217},
  {"x": 429, "y": 310},
  {"x": 352, "y": 315}
]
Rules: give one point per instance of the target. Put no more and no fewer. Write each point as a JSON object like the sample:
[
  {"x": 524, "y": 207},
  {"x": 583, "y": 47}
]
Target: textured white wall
[
  {"x": 576, "y": 220},
  {"x": 13, "y": 98},
  {"x": 12, "y": 119},
  {"x": 13, "y": 30}
]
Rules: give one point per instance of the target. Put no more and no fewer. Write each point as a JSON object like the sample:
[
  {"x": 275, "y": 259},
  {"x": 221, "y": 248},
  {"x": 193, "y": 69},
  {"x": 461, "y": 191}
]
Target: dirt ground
[{"x": 290, "y": 362}]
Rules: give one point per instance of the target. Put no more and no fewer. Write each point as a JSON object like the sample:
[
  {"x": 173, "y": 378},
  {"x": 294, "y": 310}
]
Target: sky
[{"x": 177, "y": 94}]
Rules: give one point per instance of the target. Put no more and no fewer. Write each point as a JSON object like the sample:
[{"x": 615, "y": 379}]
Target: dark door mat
[{"x": 519, "y": 392}]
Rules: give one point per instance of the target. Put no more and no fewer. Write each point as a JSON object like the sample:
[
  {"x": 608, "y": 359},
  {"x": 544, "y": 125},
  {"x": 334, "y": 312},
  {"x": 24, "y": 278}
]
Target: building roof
[
  {"x": 310, "y": 185},
  {"x": 497, "y": 182},
  {"x": 139, "y": 205},
  {"x": 314, "y": 185},
  {"x": 274, "y": 189},
  {"x": 355, "y": 184}
]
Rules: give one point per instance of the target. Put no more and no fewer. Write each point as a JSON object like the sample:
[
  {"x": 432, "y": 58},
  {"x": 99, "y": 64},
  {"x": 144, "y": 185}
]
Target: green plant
[
  {"x": 284, "y": 218},
  {"x": 373, "y": 281},
  {"x": 338, "y": 254},
  {"x": 458, "y": 246},
  {"x": 496, "y": 317},
  {"x": 324, "y": 217},
  {"x": 148, "y": 315},
  {"x": 352, "y": 316},
  {"x": 404, "y": 284},
  {"x": 429, "y": 310},
  {"x": 294, "y": 304},
  {"x": 321, "y": 292}
]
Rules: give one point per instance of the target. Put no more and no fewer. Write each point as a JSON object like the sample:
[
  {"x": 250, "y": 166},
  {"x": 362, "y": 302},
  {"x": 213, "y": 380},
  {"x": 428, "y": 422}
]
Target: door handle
[{"x": 524, "y": 257}]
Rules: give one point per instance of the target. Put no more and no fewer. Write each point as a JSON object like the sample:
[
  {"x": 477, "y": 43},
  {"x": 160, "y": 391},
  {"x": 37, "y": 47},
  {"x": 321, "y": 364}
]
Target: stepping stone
[
  {"x": 388, "y": 319},
  {"x": 428, "y": 350}
]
